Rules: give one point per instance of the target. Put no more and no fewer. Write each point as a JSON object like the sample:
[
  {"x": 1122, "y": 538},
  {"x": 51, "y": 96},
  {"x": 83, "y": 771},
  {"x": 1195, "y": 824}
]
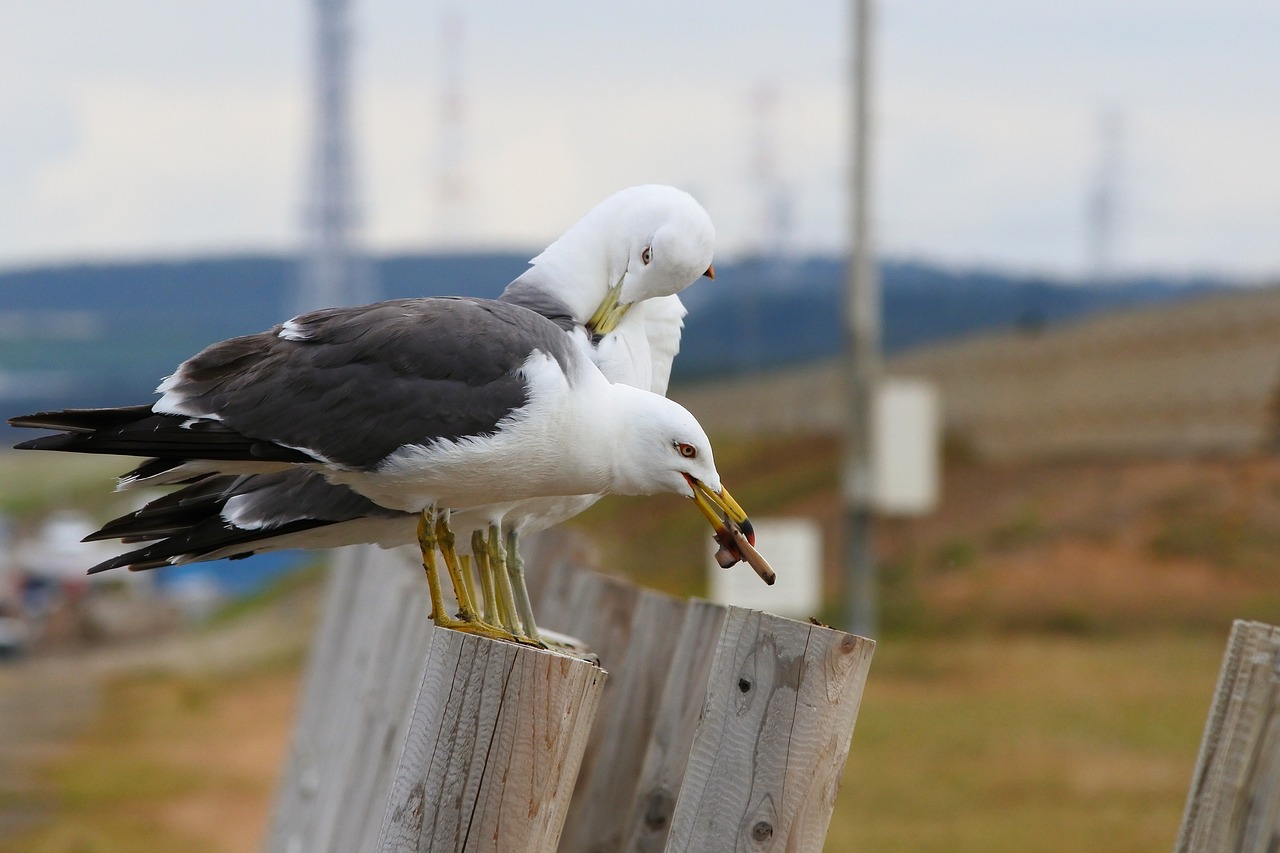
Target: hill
[{"x": 102, "y": 334}]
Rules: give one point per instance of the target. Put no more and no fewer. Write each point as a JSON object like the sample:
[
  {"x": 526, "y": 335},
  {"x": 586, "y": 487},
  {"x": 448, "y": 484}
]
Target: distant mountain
[
  {"x": 105, "y": 334},
  {"x": 765, "y": 314}
]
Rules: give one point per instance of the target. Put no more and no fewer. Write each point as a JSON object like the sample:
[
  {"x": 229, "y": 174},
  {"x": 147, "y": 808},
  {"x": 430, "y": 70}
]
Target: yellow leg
[
  {"x": 428, "y": 540},
  {"x": 480, "y": 550},
  {"x": 515, "y": 571},
  {"x": 427, "y": 543},
  {"x": 469, "y": 579},
  {"x": 445, "y": 540},
  {"x": 506, "y": 598}
]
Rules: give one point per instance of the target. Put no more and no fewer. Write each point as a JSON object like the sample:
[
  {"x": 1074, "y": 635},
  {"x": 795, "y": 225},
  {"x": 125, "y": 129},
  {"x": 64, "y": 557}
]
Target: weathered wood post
[
  {"x": 683, "y": 699},
  {"x": 367, "y": 662},
  {"x": 492, "y": 750},
  {"x": 718, "y": 728},
  {"x": 366, "y": 708},
  {"x": 770, "y": 750},
  {"x": 1234, "y": 803}
]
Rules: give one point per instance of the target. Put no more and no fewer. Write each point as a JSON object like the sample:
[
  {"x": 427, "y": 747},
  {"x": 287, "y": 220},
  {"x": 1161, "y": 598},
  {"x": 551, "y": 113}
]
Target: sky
[{"x": 142, "y": 128}]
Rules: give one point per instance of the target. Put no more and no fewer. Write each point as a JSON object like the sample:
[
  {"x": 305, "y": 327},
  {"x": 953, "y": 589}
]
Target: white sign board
[
  {"x": 793, "y": 546},
  {"x": 906, "y": 447}
]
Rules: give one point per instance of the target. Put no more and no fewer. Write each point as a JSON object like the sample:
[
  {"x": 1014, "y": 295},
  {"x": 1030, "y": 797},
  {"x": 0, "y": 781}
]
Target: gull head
[
  {"x": 639, "y": 243},
  {"x": 663, "y": 448}
]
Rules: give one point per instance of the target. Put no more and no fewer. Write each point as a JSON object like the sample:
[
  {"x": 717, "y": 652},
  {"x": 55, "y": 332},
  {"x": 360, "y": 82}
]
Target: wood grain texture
[
  {"x": 1234, "y": 802},
  {"x": 683, "y": 696},
  {"x": 492, "y": 750},
  {"x": 615, "y": 753},
  {"x": 768, "y": 755},
  {"x": 718, "y": 729},
  {"x": 368, "y": 659}
]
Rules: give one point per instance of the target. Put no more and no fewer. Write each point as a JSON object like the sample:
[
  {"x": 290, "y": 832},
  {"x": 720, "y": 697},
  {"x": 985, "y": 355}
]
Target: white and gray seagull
[
  {"x": 236, "y": 503},
  {"x": 417, "y": 406}
]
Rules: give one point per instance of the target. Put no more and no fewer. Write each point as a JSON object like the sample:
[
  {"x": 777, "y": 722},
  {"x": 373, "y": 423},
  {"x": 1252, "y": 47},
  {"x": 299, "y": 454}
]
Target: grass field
[
  {"x": 1026, "y": 743},
  {"x": 976, "y": 744}
]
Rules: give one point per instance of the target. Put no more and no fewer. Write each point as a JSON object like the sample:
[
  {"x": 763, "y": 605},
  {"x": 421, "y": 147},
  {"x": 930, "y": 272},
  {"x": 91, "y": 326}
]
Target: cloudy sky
[{"x": 144, "y": 127}]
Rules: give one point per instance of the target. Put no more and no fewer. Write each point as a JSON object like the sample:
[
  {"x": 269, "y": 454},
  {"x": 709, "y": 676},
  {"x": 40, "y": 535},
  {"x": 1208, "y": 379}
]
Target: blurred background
[{"x": 1076, "y": 210}]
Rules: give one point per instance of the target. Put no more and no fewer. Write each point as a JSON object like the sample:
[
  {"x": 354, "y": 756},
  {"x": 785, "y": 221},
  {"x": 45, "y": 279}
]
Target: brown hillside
[
  {"x": 1198, "y": 376},
  {"x": 1065, "y": 546}
]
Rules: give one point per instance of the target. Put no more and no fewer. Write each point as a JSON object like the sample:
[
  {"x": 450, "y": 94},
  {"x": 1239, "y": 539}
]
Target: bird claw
[{"x": 481, "y": 628}]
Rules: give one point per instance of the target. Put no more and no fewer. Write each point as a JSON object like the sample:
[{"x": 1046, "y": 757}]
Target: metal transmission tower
[
  {"x": 452, "y": 186},
  {"x": 1104, "y": 198},
  {"x": 334, "y": 270},
  {"x": 774, "y": 224}
]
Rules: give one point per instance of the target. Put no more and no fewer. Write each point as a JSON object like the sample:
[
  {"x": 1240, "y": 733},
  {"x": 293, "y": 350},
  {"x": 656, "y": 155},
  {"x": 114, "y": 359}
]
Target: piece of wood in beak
[{"x": 752, "y": 556}]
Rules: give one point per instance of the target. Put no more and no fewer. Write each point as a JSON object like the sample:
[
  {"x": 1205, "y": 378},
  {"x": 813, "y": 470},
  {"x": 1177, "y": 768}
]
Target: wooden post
[
  {"x": 493, "y": 747},
  {"x": 682, "y": 702},
  {"x": 413, "y": 739},
  {"x": 369, "y": 656},
  {"x": 1234, "y": 803},
  {"x": 607, "y": 784},
  {"x": 770, "y": 750}
]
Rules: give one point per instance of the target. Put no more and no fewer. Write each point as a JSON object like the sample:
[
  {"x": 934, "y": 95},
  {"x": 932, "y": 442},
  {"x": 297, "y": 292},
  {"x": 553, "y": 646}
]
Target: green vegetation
[
  {"x": 1025, "y": 528},
  {"x": 1030, "y": 743},
  {"x": 35, "y": 483}
]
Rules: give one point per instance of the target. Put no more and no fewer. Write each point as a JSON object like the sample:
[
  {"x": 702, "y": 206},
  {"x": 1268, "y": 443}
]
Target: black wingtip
[
  {"x": 106, "y": 565},
  {"x": 81, "y": 420}
]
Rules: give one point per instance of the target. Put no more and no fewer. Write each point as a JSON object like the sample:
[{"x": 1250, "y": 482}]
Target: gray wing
[
  {"x": 351, "y": 385},
  {"x": 525, "y": 291}
]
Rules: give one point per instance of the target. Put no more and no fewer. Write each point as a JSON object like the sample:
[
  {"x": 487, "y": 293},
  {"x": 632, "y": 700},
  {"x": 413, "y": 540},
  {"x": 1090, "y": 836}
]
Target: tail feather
[
  {"x": 233, "y": 515},
  {"x": 82, "y": 420},
  {"x": 170, "y": 514},
  {"x": 138, "y": 431},
  {"x": 209, "y": 537}
]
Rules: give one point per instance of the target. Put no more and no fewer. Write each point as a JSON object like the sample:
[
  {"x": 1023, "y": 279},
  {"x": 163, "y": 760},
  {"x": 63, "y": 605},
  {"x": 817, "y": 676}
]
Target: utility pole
[{"x": 862, "y": 348}]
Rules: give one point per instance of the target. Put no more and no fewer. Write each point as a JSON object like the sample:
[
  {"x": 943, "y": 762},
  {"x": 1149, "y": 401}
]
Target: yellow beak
[
  {"x": 719, "y": 507},
  {"x": 609, "y": 313},
  {"x": 734, "y": 532}
]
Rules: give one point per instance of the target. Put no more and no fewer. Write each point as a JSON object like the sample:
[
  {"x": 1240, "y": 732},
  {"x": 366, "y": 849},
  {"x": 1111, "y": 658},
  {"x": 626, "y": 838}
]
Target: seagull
[
  {"x": 609, "y": 283},
  {"x": 662, "y": 240},
  {"x": 424, "y": 406},
  {"x": 658, "y": 237}
]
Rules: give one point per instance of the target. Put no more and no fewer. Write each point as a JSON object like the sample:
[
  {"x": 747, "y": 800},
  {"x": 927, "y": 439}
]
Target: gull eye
[
  {"x": 688, "y": 451},
  {"x": 647, "y": 255}
]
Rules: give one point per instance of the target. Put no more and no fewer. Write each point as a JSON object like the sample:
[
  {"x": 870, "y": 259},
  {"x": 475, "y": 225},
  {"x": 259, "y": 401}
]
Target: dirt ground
[{"x": 152, "y": 746}]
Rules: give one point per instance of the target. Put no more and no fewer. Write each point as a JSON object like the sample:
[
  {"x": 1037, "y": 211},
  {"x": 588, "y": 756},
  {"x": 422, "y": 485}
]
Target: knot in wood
[
  {"x": 658, "y": 808},
  {"x": 762, "y": 831},
  {"x": 744, "y": 685}
]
